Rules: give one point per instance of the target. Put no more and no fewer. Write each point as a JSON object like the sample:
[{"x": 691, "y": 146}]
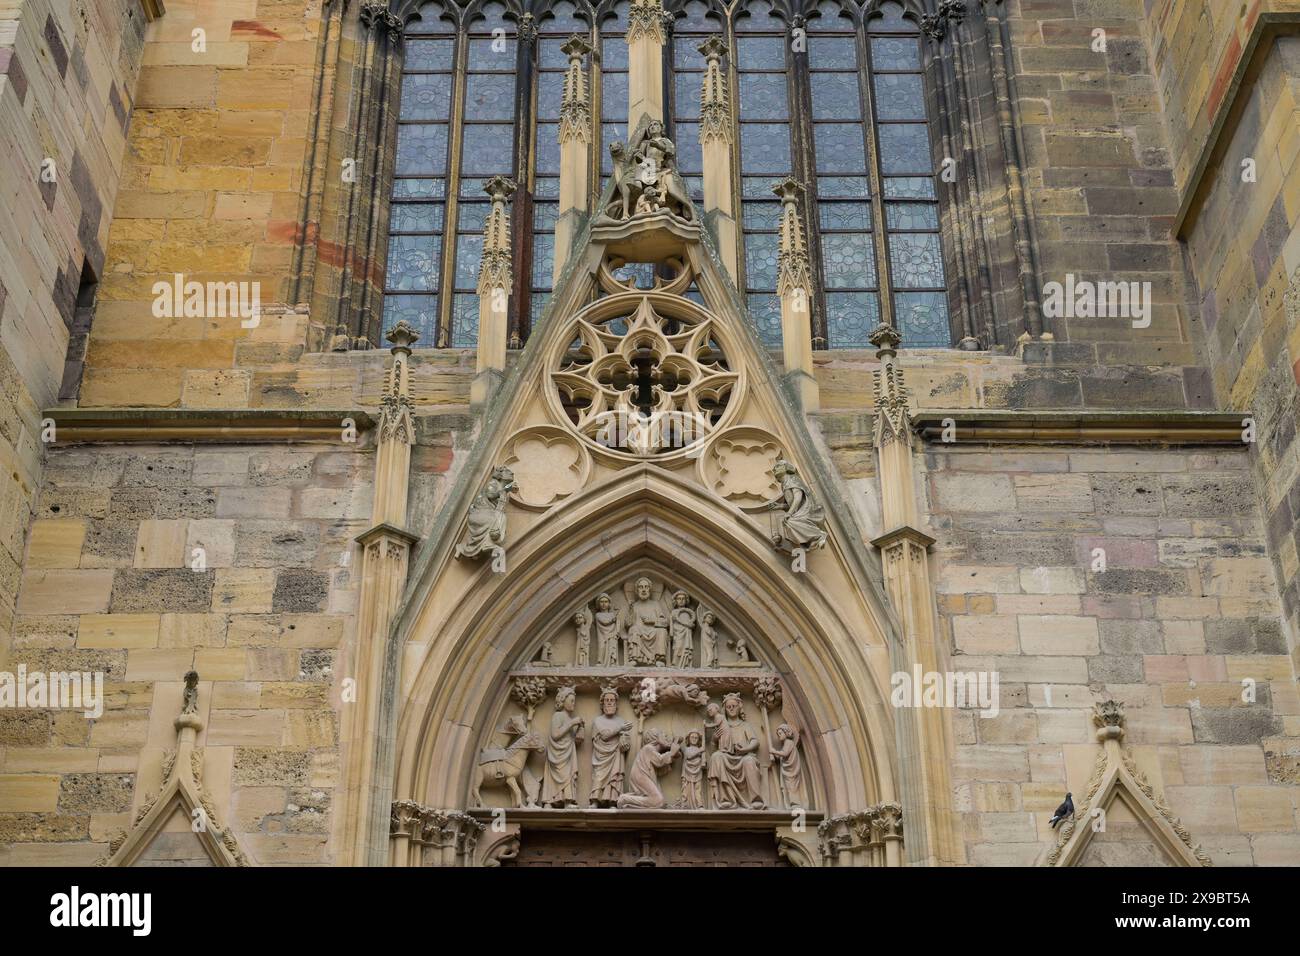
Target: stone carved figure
[
  {"x": 804, "y": 523},
  {"x": 560, "y": 785},
  {"x": 682, "y": 629},
  {"x": 708, "y": 639},
  {"x": 509, "y": 764},
  {"x": 785, "y": 752},
  {"x": 647, "y": 626},
  {"x": 190, "y": 695},
  {"x": 692, "y": 797},
  {"x": 646, "y": 177},
  {"x": 657, "y": 752},
  {"x": 609, "y": 624},
  {"x": 487, "y": 517},
  {"x": 610, "y": 740},
  {"x": 741, "y": 647},
  {"x": 733, "y": 767},
  {"x": 582, "y": 622}
]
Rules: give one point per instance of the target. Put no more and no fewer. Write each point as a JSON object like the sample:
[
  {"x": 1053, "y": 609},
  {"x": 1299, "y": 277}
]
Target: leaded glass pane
[
  {"x": 835, "y": 96},
  {"x": 420, "y": 311},
  {"x": 495, "y": 55},
  {"x": 689, "y": 152},
  {"x": 472, "y": 189},
  {"x": 756, "y": 187},
  {"x": 424, "y": 55},
  {"x": 469, "y": 253},
  {"x": 695, "y": 186},
  {"x": 904, "y": 148},
  {"x": 849, "y": 260},
  {"x": 425, "y": 97},
  {"x": 911, "y": 215},
  {"x": 890, "y": 20},
  {"x": 548, "y": 148},
  {"x": 697, "y": 17},
  {"x": 642, "y": 272},
  {"x": 537, "y": 305},
  {"x": 832, "y": 53},
  {"x": 543, "y": 254},
  {"x": 544, "y": 215},
  {"x": 828, "y": 16},
  {"x": 909, "y": 187},
  {"x": 473, "y": 216},
  {"x": 850, "y": 187},
  {"x": 760, "y": 53},
  {"x": 899, "y": 97},
  {"x": 464, "y": 321},
  {"x": 613, "y": 53},
  {"x": 765, "y": 147},
  {"x": 895, "y": 53},
  {"x": 845, "y": 215},
  {"x": 922, "y": 319},
  {"x": 762, "y": 215},
  {"x": 686, "y": 53},
  {"x": 850, "y": 319},
  {"x": 488, "y": 148},
  {"x": 613, "y": 105},
  {"x": 413, "y": 263},
  {"x": 546, "y": 189},
  {"x": 763, "y": 96},
  {"x": 840, "y": 147},
  {"x": 430, "y": 20},
  {"x": 421, "y": 149},
  {"x": 688, "y": 95},
  {"x": 915, "y": 260},
  {"x": 549, "y": 54},
  {"x": 416, "y": 217},
  {"x": 419, "y": 188},
  {"x": 760, "y": 260},
  {"x": 550, "y": 95},
  {"x": 766, "y": 311},
  {"x": 758, "y": 15},
  {"x": 490, "y": 96},
  {"x": 564, "y": 19}
]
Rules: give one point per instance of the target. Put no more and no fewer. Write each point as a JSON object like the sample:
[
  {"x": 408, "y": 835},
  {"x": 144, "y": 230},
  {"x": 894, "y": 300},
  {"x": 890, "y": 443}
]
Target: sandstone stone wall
[
  {"x": 1184, "y": 611},
  {"x": 67, "y": 80}
]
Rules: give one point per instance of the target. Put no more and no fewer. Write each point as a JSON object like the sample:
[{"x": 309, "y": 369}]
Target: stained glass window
[
  {"x": 613, "y": 85},
  {"x": 689, "y": 31}
]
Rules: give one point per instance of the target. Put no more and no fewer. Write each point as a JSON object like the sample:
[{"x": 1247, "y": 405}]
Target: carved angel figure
[
  {"x": 487, "y": 517},
  {"x": 609, "y": 624},
  {"x": 785, "y": 752},
  {"x": 804, "y": 524},
  {"x": 647, "y": 626}
]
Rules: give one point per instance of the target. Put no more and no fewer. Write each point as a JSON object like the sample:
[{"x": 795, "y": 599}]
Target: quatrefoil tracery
[{"x": 647, "y": 383}]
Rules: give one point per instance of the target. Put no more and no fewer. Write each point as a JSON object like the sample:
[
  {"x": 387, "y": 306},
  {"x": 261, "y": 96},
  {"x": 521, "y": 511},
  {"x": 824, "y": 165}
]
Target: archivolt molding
[{"x": 1114, "y": 771}]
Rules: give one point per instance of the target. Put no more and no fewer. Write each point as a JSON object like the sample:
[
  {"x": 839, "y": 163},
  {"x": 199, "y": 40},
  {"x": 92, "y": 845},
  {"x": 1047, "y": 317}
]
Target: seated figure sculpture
[{"x": 646, "y": 169}]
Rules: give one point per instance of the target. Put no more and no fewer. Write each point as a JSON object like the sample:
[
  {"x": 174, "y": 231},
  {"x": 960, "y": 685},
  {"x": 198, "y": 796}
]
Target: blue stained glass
[
  {"x": 564, "y": 18},
  {"x": 829, "y": 15},
  {"x": 537, "y": 305},
  {"x": 899, "y": 96},
  {"x": 850, "y": 187},
  {"x": 548, "y": 148},
  {"x": 836, "y": 96},
  {"x": 469, "y": 253},
  {"x": 895, "y": 53},
  {"x": 613, "y": 53},
  {"x": 543, "y": 257},
  {"x": 549, "y": 54},
  {"x": 550, "y": 95},
  {"x": 763, "y": 96},
  {"x": 419, "y": 188},
  {"x": 426, "y": 97},
  {"x": 698, "y": 17},
  {"x": 759, "y": 16},
  {"x": 850, "y": 319},
  {"x": 915, "y": 260},
  {"x": 546, "y": 188},
  {"x": 490, "y": 96},
  {"x": 421, "y": 149},
  {"x": 420, "y": 311},
  {"x": 416, "y": 217},
  {"x": 642, "y": 272},
  {"x": 544, "y": 215},
  {"x": 686, "y": 53},
  {"x": 848, "y": 260},
  {"x": 695, "y": 187},
  {"x": 845, "y": 215},
  {"x": 473, "y": 216},
  {"x": 613, "y": 97},
  {"x": 760, "y": 260},
  {"x": 840, "y": 148},
  {"x": 904, "y": 148},
  {"x": 911, "y": 215},
  {"x": 472, "y": 189},
  {"x": 909, "y": 187},
  {"x": 756, "y": 187},
  {"x": 891, "y": 20},
  {"x": 424, "y": 55},
  {"x": 413, "y": 263},
  {"x": 430, "y": 20},
  {"x": 760, "y": 53},
  {"x": 832, "y": 53},
  {"x": 690, "y": 156},
  {"x": 765, "y": 309},
  {"x": 765, "y": 148},
  {"x": 488, "y": 149},
  {"x": 464, "y": 321},
  {"x": 688, "y": 95},
  {"x": 762, "y": 215},
  {"x": 922, "y": 319},
  {"x": 493, "y": 55}
]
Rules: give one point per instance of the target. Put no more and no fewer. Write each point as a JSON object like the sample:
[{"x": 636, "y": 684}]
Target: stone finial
[
  {"x": 886, "y": 340},
  {"x": 1108, "y": 716},
  {"x": 715, "y": 105},
  {"x": 793, "y": 272},
  {"x": 403, "y": 335},
  {"x": 494, "y": 270},
  {"x": 575, "y": 106}
]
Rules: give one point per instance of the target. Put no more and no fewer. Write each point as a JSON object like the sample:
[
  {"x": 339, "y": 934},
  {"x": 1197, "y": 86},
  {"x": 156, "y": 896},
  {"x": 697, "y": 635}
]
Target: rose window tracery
[{"x": 642, "y": 376}]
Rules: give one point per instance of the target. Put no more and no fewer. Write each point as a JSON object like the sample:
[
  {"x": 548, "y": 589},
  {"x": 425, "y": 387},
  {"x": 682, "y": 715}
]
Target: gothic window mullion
[
  {"x": 804, "y": 169},
  {"x": 869, "y": 129},
  {"x": 527, "y": 74},
  {"x": 451, "y": 208}
]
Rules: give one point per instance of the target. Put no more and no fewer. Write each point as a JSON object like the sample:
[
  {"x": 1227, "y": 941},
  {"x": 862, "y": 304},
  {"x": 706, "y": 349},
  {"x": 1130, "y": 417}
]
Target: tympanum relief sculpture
[{"x": 638, "y": 720}]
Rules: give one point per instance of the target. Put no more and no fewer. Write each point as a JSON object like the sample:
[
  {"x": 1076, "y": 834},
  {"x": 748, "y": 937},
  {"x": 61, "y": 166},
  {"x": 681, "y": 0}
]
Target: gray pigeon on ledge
[{"x": 1066, "y": 809}]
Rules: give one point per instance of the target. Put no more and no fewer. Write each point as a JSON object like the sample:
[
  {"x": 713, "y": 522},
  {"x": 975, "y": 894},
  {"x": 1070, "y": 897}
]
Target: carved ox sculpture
[{"x": 508, "y": 763}]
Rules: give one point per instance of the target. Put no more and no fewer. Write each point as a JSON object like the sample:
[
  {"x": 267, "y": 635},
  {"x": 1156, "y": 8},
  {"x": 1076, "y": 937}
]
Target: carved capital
[
  {"x": 793, "y": 271},
  {"x": 527, "y": 31}
]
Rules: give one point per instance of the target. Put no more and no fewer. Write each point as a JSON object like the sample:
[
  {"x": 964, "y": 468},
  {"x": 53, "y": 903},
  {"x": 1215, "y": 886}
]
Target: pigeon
[{"x": 1064, "y": 810}]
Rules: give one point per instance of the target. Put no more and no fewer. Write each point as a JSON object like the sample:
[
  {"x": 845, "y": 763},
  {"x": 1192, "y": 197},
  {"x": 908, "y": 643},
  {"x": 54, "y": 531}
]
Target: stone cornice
[
  {"x": 1080, "y": 428},
  {"x": 202, "y": 424}
]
